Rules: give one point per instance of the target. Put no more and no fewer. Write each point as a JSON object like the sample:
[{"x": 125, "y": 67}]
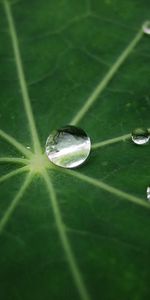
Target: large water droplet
[
  {"x": 148, "y": 193},
  {"x": 146, "y": 27},
  {"x": 140, "y": 136},
  {"x": 68, "y": 147}
]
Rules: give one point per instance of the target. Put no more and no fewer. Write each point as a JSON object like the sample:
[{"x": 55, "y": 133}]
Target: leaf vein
[
  {"x": 5, "y": 219},
  {"x": 21, "y": 76},
  {"x": 108, "y": 188},
  {"x": 65, "y": 242},
  {"x": 107, "y": 78}
]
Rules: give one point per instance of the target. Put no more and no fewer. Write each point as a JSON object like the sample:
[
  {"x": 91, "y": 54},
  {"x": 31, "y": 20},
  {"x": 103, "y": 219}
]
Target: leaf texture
[{"x": 84, "y": 233}]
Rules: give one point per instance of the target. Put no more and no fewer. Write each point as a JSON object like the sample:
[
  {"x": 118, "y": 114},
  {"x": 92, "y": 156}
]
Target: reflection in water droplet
[
  {"x": 146, "y": 27},
  {"x": 140, "y": 136},
  {"x": 148, "y": 193},
  {"x": 28, "y": 147},
  {"x": 68, "y": 147}
]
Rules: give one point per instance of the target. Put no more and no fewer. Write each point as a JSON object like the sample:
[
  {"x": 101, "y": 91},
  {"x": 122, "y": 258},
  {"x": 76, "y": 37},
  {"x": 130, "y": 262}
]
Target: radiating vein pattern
[
  {"x": 7, "y": 215},
  {"x": 37, "y": 164},
  {"x": 21, "y": 76},
  {"x": 109, "y": 75},
  {"x": 65, "y": 242}
]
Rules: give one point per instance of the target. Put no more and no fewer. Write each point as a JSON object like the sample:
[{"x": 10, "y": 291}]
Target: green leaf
[{"x": 74, "y": 234}]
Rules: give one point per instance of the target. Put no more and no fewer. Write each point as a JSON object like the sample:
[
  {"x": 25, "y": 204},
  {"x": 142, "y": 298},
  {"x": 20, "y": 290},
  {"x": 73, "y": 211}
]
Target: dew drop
[
  {"x": 146, "y": 27},
  {"x": 148, "y": 193},
  {"x": 140, "y": 136},
  {"x": 68, "y": 147}
]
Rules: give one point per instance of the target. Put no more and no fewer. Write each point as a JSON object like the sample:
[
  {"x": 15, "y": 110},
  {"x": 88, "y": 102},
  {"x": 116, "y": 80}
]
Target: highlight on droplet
[
  {"x": 146, "y": 27},
  {"x": 140, "y": 136},
  {"x": 148, "y": 193}
]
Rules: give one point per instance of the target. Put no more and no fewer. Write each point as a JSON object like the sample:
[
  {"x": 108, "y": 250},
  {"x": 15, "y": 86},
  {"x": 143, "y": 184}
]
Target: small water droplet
[
  {"x": 28, "y": 147},
  {"x": 146, "y": 27},
  {"x": 140, "y": 136},
  {"x": 68, "y": 147},
  {"x": 148, "y": 193}
]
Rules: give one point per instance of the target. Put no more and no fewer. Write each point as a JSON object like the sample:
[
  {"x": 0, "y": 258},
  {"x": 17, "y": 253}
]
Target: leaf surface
[{"x": 81, "y": 234}]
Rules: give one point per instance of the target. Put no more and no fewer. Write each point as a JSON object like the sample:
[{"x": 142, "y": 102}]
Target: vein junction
[{"x": 37, "y": 163}]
